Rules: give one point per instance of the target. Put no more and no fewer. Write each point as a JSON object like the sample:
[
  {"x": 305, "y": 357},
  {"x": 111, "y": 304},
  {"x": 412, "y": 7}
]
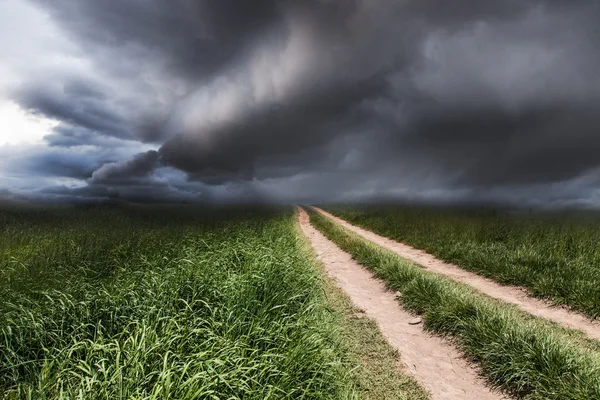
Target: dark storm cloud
[
  {"x": 140, "y": 166},
  {"x": 78, "y": 166},
  {"x": 282, "y": 130},
  {"x": 456, "y": 118},
  {"x": 350, "y": 98},
  {"x": 139, "y": 60},
  {"x": 491, "y": 147},
  {"x": 76, "y": 104},
  {"x": 192, "y": 37},
  {"x": 68, "y": 136}
]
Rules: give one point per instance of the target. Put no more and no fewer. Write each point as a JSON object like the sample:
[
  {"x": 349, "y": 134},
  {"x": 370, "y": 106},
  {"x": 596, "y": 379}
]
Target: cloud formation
[{"x": 315, "y": 100}]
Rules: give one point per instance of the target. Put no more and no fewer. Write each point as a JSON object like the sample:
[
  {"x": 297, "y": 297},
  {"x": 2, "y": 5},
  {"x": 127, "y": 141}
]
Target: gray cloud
[
  {"x": 76, "y": 105},
  {"x": 191, "y": 38},
  {"x": 140, "y": 166},
  {"x": 325, "y": 100}
]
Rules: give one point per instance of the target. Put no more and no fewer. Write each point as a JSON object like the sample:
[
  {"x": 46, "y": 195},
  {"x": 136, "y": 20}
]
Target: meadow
[
  {"x": 555, "y": 256},
  {"x": 102, "y": 302},
  {"x": 145, "y": 303}
]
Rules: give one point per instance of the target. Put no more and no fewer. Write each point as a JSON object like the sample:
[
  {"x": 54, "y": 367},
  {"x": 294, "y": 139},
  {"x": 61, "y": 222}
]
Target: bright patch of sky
[
  {"x": 27, "y": 31},
  {"x": 19, "y": 127}
]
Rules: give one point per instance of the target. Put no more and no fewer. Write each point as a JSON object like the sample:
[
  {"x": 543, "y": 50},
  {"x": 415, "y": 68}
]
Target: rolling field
[
  {"x": 555, "y": 257},
  {"x": 165, "y": 303}
]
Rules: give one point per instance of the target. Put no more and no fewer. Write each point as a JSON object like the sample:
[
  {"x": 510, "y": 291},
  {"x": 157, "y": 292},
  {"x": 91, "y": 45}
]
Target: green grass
[
  {"x": 178, "y": 303},
  {"x": 110, "y": 303},
  {"x": 524, "y": 356},
  {"x": 555, "y": 257}
]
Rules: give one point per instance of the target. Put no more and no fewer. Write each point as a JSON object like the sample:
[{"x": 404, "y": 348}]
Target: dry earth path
[
  {"x": 510, "y": 294},
  {"x": 435, "y": 362}
]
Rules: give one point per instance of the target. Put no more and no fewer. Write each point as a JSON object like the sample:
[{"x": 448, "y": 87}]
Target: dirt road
[{"x": 435, "y": 362}]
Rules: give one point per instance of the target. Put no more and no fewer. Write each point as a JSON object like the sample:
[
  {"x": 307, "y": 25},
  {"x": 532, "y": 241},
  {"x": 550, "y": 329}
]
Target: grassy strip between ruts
[
  {"x": 523, "y": 356},
  {"x": 554, "y": 255},
  {"x": 230, "y": 308},
  {"x": 377, "y": 372}
]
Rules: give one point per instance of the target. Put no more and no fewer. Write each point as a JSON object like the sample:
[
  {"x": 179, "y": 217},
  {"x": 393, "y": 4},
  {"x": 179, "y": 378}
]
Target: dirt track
[
  {"x": 433, "y": 361},
  {"x": 510, "y": 294}
]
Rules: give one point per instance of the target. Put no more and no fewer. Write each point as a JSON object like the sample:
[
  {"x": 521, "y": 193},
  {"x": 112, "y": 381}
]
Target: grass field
[
  {"x": 525, "y": 356},
  {"x": 114, "y": 303},
  {"x": 555, "y": 257},
  {"x": 229, "y": 303}
]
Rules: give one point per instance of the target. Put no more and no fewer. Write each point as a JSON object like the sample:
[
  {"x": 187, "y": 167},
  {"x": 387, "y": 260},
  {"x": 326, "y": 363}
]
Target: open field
[
  {"x": 555, "y": 257},
  {"x": 231, "y": 303},
  {"x": 526, "y": 357},
  {"x": 146, "y": 303}
]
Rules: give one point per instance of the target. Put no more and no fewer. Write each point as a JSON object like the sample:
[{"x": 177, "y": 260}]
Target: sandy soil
[
  {"x": 510, "y": 294},
  {"x": 435, "y": 362}
]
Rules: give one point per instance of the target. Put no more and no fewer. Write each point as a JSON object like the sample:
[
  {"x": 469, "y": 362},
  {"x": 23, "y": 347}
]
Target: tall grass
[
  {"x": 524, "y": 356},
  {"x": 147, "y": 304},
  {"x": 556, "y": 257}
]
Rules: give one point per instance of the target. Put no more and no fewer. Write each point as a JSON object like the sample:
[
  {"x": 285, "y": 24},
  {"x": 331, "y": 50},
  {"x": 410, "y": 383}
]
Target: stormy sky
[{"x": 300, "y": 100}]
